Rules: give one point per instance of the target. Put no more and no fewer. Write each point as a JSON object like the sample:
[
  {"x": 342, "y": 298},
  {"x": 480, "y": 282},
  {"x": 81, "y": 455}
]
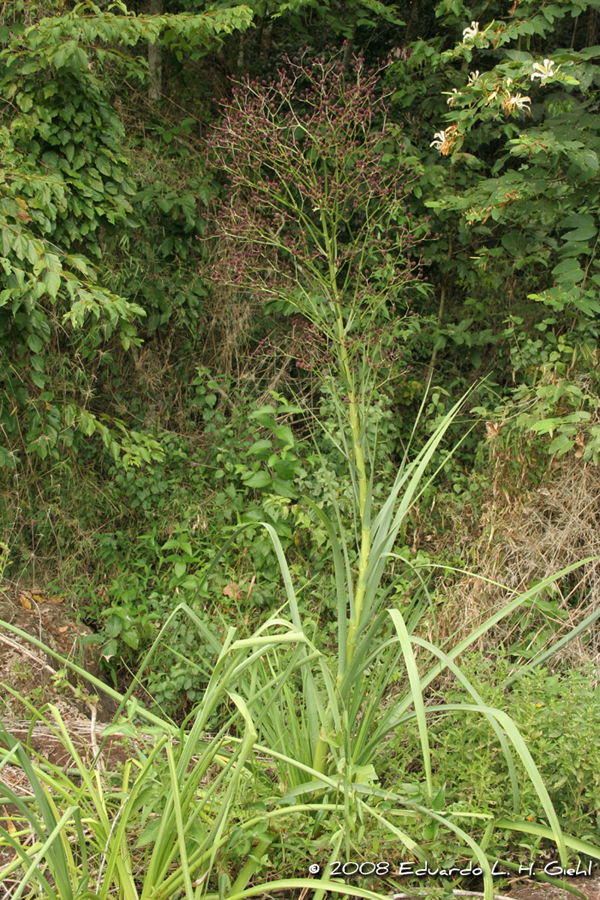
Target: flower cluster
[
  {"x": 444, "y": 141},
  {"x": 470, "y": 34},
  {"x": 316, "y": 212},
  {"x": 543, "y": 71},
  {"x": 311, "y": 347},
  {"x": 518, "y": 102},
  {"x": 487, "y": 93}
]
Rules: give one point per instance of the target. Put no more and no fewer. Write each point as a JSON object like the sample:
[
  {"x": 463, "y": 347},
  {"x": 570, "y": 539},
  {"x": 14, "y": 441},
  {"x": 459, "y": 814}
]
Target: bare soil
[{"x": 590, "y": 887}]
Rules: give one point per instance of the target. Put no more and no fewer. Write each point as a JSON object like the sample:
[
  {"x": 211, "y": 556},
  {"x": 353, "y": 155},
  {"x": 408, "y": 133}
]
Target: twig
[
  {"x": 95, "y": 749},
  {"x": 479, "y": 894},
  {"x": 456, "y": 893},
  {"x": 36, "y": 659}
]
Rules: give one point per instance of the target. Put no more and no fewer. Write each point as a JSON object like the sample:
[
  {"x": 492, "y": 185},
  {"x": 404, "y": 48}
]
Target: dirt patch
[
  {"x": 31, "y": 672},
  {"x": 590, "y": 887},
  {"x": 88, "y": 739}
]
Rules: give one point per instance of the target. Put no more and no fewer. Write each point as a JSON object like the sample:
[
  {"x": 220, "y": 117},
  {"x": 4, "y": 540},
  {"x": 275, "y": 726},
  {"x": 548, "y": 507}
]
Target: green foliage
[
  {"x": 558, "y": 397},
  {"x": 159, "y": 262},
  {"x": 61, "y": 121},
  {"x": 182, "y": 509},
  {"x": 513, "y": 190},
  {"x": 343, "y": 19},
  {"x": 159, "y": 809},
  {"x": 558, "y": 718}
]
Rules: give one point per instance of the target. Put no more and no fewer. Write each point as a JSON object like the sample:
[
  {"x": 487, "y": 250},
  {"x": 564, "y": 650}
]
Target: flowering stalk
[{"x": 315, "y": 216}]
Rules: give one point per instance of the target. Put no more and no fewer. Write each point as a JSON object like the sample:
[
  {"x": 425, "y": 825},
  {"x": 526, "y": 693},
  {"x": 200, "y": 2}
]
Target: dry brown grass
[{"x": 525, "y": 538}]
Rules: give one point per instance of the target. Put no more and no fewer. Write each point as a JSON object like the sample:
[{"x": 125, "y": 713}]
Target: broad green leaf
[
  {"x": 34, "y": 343},
  {"x": 131, "y": 638},
  {"x": 561, "y": 445},
  {"x": 258, "y": 480},
  {"x": 583, "y": 233},
  {"x": 261, "y": 448},
  {"x": 19, "y": 245},
  {"x": 34, "y": 249},
  {"x": 25, "y": 102},
  {"x": 7, "y": 240},
  {"x": 546, "y": 426},
  {"x": 568, "y": 265},
  {"x": 588, "y": 305},
  {"x": 52, "y": 281},
  {"x": 285, "y": 434},
  {"x": 576, "y": 220},
  {"x": 39, "y": 380}
]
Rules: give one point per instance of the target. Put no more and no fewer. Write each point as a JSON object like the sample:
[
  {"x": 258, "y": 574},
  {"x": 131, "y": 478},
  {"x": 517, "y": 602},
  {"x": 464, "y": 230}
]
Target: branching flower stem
[{"x": 315, "y": 217}]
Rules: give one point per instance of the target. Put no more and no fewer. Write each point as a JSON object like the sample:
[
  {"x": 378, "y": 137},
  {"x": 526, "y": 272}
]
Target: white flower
[
  {"x": 510, "y": 103},
  {"x": 474, "y": 76},
  {"x": 469, "y": 34},
  {"x": 444, "y": 141},
  {"x": 543, "y": 72},
  {"x": 453, "y": 97},
  {"x": 520, "y": 102}
]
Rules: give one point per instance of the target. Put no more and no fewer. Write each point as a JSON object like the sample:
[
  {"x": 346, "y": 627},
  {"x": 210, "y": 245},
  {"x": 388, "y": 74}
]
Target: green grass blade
[
  {"x": 488, "y": 882},
  {"x": 308, "y": 884},
  {"x": 555, "y": 831},
  {"x": 57, "y": 857},
  {"x": 387, "y": 521},
  {"x": 538, "y": 660},
  {"x": 416, "y": 694},
  {"x": 408, "y": 842},
  {"x": 497, "y": 617},
  {"x": 116, "y": 839},
  {"x": 480, "y": 702},
  {"x": 63, "y": 881},
  {"x": 543, "y": 831},
  {"x": 175, "y": 777},
  {"x": 23, "y": 859}
]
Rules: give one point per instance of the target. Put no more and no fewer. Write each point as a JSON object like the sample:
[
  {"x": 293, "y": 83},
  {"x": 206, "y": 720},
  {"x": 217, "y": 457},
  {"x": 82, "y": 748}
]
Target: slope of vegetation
[{"x": 299, "y": 414}]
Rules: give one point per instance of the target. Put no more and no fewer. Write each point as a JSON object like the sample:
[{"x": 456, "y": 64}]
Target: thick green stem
[
  {"x": 360, "y": 470},
  {"x": 359, "y": 460},
  {"x": 359, "y": 596}
]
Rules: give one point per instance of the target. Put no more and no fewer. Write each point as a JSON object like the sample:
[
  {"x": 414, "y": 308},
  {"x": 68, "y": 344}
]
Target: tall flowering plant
[
  {"x": 316, "y": 215},
  {"x": 319, "y": 217}
]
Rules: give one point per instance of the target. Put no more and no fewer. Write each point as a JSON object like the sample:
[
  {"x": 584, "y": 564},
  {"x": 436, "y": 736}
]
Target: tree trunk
[
  {"x": 155, "y": 8},
  {"x": 592, "y": 28},
  {"x": 412, "y": 26}
]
